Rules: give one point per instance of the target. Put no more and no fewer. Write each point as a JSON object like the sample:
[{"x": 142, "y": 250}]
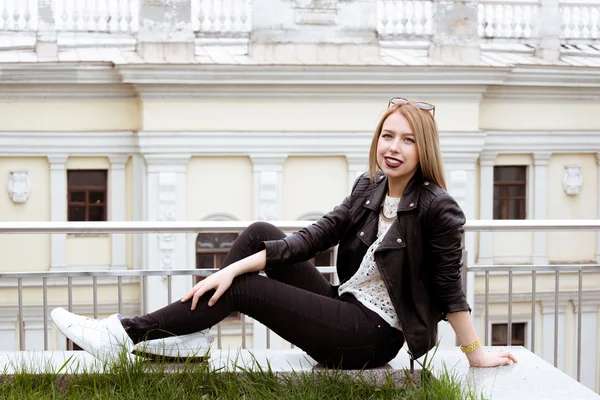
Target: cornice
[
  {"x": 553, "y": 76},
  {"x": 71, "y": 143},
  {"x": 59, "y": 73},
  {"x": 545, "y": 93},
  {"x": 67, "y": 91},
  {"x": 542, "y": 141}
]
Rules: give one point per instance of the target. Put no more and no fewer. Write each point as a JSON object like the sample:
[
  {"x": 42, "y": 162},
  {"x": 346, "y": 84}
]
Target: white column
[
  {"x": 486, "y": 205},
  {"x": 268, "y": 206},
  {"x": 590, "y": 358},
  {"x": 548, "y": 329},
  {"x": 139, "y": 208},
  {"x": 540, "y": 196},
  {"x": 58, "y": 210},
  {"x": 166, "y": 202},
  {"x": 8, "y": 333},
  {"x": 598, "y": 206},
  {"x": 118, "y": 201},
  {"x": 357, "y": 165}
]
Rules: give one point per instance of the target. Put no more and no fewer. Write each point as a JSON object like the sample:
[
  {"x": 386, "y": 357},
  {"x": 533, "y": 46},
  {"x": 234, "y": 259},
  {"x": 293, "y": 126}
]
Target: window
[
  {"x": 211, "y": 250},
  {"x": 86, "y": 195},
  {"x": 510, "y": 186},
  {"x": 500, "y": 334}
]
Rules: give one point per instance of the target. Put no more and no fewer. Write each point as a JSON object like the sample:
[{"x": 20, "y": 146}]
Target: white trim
[
  {"x": 58, "y": 209},
  {"x": 357, "y": 165},
  {"x": 117, "y": 209},
  {"x": 542, "y": 141},
  {"x": 598, "y": 212},
  {"x": 268, "y": 185},
  {"x": 518, "y": 319},
  {"x": 540, "y": 204},
  {"x": 486, "y": 205},
  {"x": 28, "y": 143}
]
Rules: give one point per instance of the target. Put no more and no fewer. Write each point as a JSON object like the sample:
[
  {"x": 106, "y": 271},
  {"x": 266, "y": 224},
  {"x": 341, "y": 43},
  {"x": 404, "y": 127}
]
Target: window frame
[
  {"x": 87, "y": 190},
  {"x": 505, "y": 198},
  {"x": 526, "y": 331}
]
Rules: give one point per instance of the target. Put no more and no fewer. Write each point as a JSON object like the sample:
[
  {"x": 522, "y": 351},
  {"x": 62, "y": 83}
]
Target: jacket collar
[{"x": 410, "y": 197}]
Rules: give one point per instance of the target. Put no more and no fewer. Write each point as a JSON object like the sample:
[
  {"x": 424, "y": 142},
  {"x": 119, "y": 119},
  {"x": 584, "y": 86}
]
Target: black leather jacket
[{"x": 420, "y": 257}]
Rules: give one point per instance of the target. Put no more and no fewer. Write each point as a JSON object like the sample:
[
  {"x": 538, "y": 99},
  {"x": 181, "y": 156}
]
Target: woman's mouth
[{"x": 392, "y": 162}]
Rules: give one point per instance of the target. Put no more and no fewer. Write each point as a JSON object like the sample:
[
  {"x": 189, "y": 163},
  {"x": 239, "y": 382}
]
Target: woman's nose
[{"x": 395, "y": 145}]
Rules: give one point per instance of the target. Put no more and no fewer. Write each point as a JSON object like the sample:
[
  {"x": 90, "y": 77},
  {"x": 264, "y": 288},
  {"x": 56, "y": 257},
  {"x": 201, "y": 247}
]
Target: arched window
[{"x": 326, "y": 258}]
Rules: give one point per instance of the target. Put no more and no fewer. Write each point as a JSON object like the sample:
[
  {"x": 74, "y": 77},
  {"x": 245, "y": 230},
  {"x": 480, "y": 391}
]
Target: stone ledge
[{"x": 530, "y": 378}]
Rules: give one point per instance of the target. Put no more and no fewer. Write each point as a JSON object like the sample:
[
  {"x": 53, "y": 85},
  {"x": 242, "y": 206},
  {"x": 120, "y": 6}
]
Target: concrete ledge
[{"x": 530, "y": 378}]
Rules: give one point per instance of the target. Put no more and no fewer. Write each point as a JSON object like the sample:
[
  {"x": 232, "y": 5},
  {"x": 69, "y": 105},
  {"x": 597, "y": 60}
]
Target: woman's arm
[
  {"x": 465, "y": 332},
  {"x": 444, "y": 244},
  {"x": 221, "y": 280}
]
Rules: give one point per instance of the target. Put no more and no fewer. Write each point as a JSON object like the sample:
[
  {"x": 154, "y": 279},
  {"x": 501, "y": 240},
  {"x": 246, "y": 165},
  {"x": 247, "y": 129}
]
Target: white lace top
[{"x": 367, "y": 284}]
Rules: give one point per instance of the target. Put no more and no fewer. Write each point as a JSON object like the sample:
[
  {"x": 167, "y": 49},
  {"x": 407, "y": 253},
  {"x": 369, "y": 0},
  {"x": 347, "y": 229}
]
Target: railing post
[
  {"x": 455, "y": 34},
  {"x": 549, "y": 28},
  {"x": 46, "y": 44},
  {"x": 166, "y": 32}
]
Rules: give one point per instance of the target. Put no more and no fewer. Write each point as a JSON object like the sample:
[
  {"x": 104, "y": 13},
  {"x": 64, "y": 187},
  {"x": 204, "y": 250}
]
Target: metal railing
[{"x": 289, "y": 226}]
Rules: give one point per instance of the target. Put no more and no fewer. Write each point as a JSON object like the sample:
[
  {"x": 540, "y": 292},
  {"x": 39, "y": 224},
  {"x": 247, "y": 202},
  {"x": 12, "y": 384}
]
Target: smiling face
[{"x": 397, "y": 154}]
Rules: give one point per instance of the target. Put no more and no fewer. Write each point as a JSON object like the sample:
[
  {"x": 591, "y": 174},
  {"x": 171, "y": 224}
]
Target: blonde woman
[{"x": 399, "y": 263}]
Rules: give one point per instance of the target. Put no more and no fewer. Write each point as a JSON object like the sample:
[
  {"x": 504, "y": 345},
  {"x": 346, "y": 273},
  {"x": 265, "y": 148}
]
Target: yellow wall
[
  {"x": 557, "y": 115},
  {"x": 70, "y": 116},
  {"x": 219, "y": 185},
  {"x": 25, "y": 252},
  {"x": 515, "y": 247},
  {"x": 313, "y": 184},
  {"x": 313, "y": 115},
  {"x": 89, "y": 249},
  {"x": 572, "y": 246}
]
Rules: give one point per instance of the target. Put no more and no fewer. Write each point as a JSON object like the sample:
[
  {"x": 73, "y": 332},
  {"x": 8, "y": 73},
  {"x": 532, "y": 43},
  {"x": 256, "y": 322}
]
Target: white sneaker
[
  {"x": 193, "y": 345},
  {"x": 105, "y": 339}
]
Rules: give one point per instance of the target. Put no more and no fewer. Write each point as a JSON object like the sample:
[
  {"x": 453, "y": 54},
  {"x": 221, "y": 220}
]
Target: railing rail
[{"x": 236, "y": 226}]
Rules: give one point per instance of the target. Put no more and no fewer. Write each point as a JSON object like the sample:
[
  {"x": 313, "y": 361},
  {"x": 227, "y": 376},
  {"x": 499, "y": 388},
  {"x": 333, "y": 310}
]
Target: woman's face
[{"x": 397, "y": 154}]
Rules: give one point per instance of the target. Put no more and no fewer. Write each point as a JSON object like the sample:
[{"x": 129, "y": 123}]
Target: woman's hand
[
  {"x": 220, "y": 281},
  {"x": 482, "y": 358}
]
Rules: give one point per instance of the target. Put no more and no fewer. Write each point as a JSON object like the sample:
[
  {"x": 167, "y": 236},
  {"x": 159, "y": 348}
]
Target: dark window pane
[
  {"x": 497, "y": 191},
  {"x": 324, "y": 259},
  {"x": 204, "y": 261},
  {"x": 96, "y": 213},
  {"x": 97, "y": 197},
  {"x": 86, "y": 178},
  {"x": 499, "y": 334},
  {"x": 78, "y": 197},
  {"x": 509, "y": 174},
  {"x": 516, "y": 209},
  {"x": 516, "y": 191},
  {"x": 498, "y": 209},
  {"x": 76, "y": 213}
]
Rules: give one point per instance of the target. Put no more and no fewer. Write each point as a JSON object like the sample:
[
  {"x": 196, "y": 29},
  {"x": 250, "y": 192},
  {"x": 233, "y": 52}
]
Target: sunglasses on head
[{"x": 430, "y": 108}]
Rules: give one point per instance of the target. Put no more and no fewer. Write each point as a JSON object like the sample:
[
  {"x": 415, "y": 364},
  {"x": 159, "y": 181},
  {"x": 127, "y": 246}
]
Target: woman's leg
[
  {"x": 328, "y": 329},
  {"x": 302, "y": 275}
]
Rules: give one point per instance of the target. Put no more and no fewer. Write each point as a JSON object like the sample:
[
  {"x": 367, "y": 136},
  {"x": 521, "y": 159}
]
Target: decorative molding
[
  {"x": 59, "y": 145},
  {"x": 574, "y": 77},
  {"x": 541, "y": 158},
  {"x": 487, "y": 158},
  {"x": 66, "y": 92},
  {"x": 91, "y": 73},
  {"x": 167, "y": 211},
  {"x": 572, "y": 180},
  {"x": 542, "y": 141},
  {"x": 510, "y": 92},
  {"x": 19, "y": 186},
  {"x": 268, "y": 182},
  {"x": 57, "y": 161}
]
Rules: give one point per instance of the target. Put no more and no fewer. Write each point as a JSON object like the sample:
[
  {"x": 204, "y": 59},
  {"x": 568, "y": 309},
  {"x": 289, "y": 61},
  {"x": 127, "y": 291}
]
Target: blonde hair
[{"x": 427, "y": 140}]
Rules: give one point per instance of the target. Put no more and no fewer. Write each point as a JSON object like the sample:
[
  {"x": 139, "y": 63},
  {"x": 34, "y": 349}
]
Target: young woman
[{"x": 399, "y": 263}]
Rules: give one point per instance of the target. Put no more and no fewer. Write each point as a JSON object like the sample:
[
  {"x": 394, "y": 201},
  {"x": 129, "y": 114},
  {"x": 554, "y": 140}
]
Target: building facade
[{"x": 233, "y": 114}]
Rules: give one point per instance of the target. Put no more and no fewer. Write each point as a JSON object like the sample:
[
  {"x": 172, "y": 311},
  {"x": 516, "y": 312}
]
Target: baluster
[
  {"x": 5, "y": 15},
  {"x": 595, "y": 22},
  {"x": 64, "y": 16},
  {"x": 409, "y": 12},
  {"x": 572, "y": 22},
  {"x": 585, "y": 23},
  {"x": 234, "y": 17},
  {"x": 117, "y": 16},
  {"x": 128, "y": 16},
  {"x": 76, "y": 14},
  {"x": 489, "y": 20},
  {"x": 397, "y": 13},
  {"x": 16, "y": 15},
  {"x": 27, "y": 16},
  {"x": 222, "y": 17},
  {"x": 480, "y": 20},
  {"x": 417, "y": 17},
  {"x": 510, "y": 21},
  {"x": 96, "y": 15},
  {"x": 201, "y": 15},
  {"x": 384, "y": 15},
  {"x": 212, "y": 17},
  {"x": 245, "y": 15},
  {"x": 389, "y": 12},
  {"x": 85, "y": 17}
]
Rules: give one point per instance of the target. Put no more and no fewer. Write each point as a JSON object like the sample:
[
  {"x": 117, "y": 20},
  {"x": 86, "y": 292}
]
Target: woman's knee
[{"x": 262, "y": 231}]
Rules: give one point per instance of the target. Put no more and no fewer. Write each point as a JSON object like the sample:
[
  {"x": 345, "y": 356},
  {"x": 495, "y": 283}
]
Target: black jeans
[{"x": 295, "y": 301}]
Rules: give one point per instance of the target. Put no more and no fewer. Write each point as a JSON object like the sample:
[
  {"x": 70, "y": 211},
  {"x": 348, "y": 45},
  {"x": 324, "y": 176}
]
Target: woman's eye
[
  {"x": 386, "y": 135},
  {"x": 409, "y": 140}
]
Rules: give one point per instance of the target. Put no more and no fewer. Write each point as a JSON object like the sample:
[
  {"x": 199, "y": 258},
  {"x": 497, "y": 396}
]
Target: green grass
[{"x": 158, "y": 380}]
